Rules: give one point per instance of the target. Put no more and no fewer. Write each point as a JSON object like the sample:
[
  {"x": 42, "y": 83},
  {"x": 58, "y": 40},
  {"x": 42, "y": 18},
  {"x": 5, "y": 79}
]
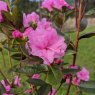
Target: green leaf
[
  {"x": 36, "y": 82},
  {"x": 88, "y": 87},
  {"x": 70, "y": 52},
  {"x": 7, "y": 16},
  {"x": 17, "y": 17},
  {"x": 70, "y": 71},
  {"x": 30, "y": 70},
  {"x": 91, "y": 12},
  {"x": 44, "y": 90},
  {"x": 54, "y": 76},
  {"x": 87, "y": 35},
  {"x": 83, "y": 24},
  {"x": 18, "y": 56}
]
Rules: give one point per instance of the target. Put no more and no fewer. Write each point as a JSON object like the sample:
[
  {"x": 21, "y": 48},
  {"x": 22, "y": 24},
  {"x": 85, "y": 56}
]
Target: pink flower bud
[
  {"x": 35, "y": 76},
  {"x": 52, "y": 92},
  {"x": 17, "y": 81},
  {"x": 17, "y": 34}
]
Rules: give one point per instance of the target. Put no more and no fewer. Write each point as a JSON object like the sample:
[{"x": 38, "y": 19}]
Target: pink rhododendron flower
[
  {"x": 76, "y": 81},
  {"x": 17, "y": 34},
  {"x": 27, "y": 31},
  {"x": 47, "y": 44},
  {"x": 3, "y": 7},
  {"x": 53, "y": 92},
  {"x": 17, "y": 81},
  {"x": 7, "y": 87},
  {"x": 58, "y": 4},
  {"x": 48, "y": 4},
  {"x": 83, "y": 74},
  {"x": 35, "y": 76},
  {"x": 27, "y": 19}
]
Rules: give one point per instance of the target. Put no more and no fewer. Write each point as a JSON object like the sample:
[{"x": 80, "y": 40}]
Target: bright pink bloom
[
  {"x": 58, "y": 4},
  {"x": 48, "y": 4},
  {"x": 3, "y": 7},
  {"x": 17, "y": 81},
  {"x": 47, "y": 44},
  {"x": 7, "y": 87},
  {"x": 35, "y": 76},
  {"x": 53, "y": 92},
  {"x": 83, "y": 74},
  {"x": 27, "y": 31},
  {"x": 29, "y": 18},
  {"x": 17, "y": 34},
  {"x": 76, "y": 81}
]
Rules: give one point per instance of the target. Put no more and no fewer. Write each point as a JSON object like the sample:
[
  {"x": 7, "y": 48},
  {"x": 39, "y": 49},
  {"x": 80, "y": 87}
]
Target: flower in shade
[
  {"x": 17, "y": 81},
  {"x": 6, "y": 86},
  {"x": 58, "y": 4},
  {"x": 58, "y": 61},
  {"x": 83, "y": 74},
  {"x": 35, "y": 76},
  {"x": 17, "y": 34},
  {"x": 29, "y": 18},
  {"x": 28, "y": 91},
  {"x": 46, "y": 44},
  {"x": 52, "y": 92},
  {"x": 7, "y": 94},
  {"x": 3, "y": 7}
]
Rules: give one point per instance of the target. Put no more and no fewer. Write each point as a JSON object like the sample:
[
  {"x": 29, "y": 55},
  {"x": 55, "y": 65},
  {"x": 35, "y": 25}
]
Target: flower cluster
[
  {"x": 7, "y": 86},
  {"x": 82, "y": 75},
  {"x": 58, "y": 4}
]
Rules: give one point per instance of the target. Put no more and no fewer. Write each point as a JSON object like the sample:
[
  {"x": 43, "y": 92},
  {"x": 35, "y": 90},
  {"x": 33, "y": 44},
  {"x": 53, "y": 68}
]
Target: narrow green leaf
[
  {"x": 36, "y": 82},
  {"x": 70, "y": 52},
  {"x": 44, "y": 90},
  {"x": 88, "y": 87},
  {"x": 18, "y": 56},
  {"x": 87, "y": 35},
  {"x": 70, "y": 71}
]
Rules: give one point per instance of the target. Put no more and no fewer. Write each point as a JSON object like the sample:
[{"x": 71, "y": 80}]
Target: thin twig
[{"x": 3, "y": 58}]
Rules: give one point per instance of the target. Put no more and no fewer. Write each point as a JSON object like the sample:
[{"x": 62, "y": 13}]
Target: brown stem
[
  {"x": 78, "y": 21},
  {"x": 68, "y": 90},
  {"x": 84, "y": 9},
  {"x": 77, "y": 32},
  {"x": 3, "y": 58}
]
